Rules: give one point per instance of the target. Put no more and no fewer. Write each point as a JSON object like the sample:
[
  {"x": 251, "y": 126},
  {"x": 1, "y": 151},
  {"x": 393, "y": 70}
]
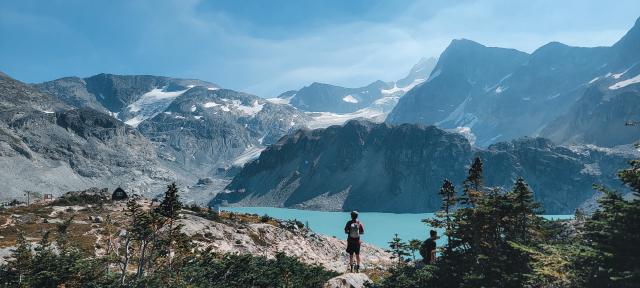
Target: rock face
[
  {"x": 502, "y": 94},
  {"x": 204, "y": 129},
  {"x": 387, "y": 168},
  {"x": 195, "y": 126},
  {"x": 48, "y": 146},
  {"x": 349, "y": 280}
]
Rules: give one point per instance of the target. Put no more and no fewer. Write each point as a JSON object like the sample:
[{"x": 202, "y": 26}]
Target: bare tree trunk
[
  {"x": 125, "y": 261},
  {"x": 143, "y": 248}
]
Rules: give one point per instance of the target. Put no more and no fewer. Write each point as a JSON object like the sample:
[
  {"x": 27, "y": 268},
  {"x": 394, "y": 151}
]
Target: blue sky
[{"x": 267, "y": 47}]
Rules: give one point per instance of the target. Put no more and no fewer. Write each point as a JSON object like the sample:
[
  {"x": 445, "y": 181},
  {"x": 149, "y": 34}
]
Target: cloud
[{"x": 198, "y": 39}]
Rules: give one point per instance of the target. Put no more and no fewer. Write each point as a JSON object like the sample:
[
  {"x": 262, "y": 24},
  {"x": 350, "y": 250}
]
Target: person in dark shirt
[
  {"x": 354, "y": 228},
  {"x": 428, "y": 248}
]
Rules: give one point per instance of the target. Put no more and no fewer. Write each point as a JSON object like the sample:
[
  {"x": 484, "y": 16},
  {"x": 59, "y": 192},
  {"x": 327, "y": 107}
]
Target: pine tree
[
  {"x": 170, "y": 205},
  {"x": 413, "y": 246},
  {"x": 398, "y": 248},
  {"x": 20, "y": 263},
  {"x": 523, "y": 209},
  {"x": 473, "y": 183}
]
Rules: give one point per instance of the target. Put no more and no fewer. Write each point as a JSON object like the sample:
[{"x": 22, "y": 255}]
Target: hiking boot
[
  {"x": 357, "y": 268},
  {"x": 351, "y": 268}
]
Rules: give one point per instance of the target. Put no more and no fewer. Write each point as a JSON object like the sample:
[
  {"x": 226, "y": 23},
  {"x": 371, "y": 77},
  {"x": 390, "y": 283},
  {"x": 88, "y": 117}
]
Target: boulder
[{"x": 349, "y": 280}]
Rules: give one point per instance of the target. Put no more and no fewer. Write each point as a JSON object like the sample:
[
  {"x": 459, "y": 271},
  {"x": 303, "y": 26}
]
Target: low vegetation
[
  {"x": 144, "y": 248},
  {"x": 496, "y": 239}
]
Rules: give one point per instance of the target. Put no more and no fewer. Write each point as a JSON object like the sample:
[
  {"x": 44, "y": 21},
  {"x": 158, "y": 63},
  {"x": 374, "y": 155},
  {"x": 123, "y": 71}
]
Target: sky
[{"x": 268, "y": 47}]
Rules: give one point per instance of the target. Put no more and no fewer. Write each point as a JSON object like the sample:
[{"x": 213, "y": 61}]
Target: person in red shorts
[{"x": 354, "y": 228}]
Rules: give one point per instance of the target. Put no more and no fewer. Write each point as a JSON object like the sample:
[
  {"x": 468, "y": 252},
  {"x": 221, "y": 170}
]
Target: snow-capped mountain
[
  {"x": 328, "y": 104},
  {"x": 130, "y": 98},
  {"x": 197, "y": 128},
  {"x": 49, "y": 146},
  {"x": 500, "y": 94},
  {"x": 205, "y": 129}
]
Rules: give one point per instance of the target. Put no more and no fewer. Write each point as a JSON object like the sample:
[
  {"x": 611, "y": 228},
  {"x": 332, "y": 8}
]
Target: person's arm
[
  {"x": 346, "y": 228},
  {"x": 433, "y": 256},
  {"x": 361, "y": 228}
]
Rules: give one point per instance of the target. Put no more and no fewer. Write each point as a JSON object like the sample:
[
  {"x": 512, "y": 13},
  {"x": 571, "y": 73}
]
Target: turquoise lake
[{"x": 379, "y": 227}]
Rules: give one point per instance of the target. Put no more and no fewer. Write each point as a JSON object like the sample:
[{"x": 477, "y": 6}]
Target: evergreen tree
[
  {"x": 413, "y": 246},
  {"x": 523, "y": 209},
  {"x": 398, "y": 248},
  {"x": 473, "y": 183},
  {"x": 170, "y": 205}
]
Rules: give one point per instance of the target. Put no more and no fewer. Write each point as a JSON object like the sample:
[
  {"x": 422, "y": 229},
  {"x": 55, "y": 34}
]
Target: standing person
[
  {"x": 428, "y": 248},
  {"x": 354, "y": 229}
]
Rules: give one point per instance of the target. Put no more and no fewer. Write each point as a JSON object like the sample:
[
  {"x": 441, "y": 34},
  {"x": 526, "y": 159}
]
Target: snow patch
[
  {"x": 151, "y": 104},
  {"x": 282, "y": 101},
  {"x": 193, "y": 108},
  {"x": 350, "y": 99},
  {"x": 252, "y": 110},
  {"x": 404, "y": 89},
  {"x": 248, "y": 155},
  {"x": 134, "y": 121},
  {"x": 499, "y": 89},
  {"x": 212, "y": 88},
  {"x": 625, "y": 83},
  {"x": 326, "y": 119},
  {"x": 594, "y": 80},
  {"x": 466, "y": 132},
  {"x": 210, "y": 104}
]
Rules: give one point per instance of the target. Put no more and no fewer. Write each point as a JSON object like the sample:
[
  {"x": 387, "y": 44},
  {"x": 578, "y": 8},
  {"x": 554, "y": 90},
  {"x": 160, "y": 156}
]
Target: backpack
[{"x": 354, "y": 229}]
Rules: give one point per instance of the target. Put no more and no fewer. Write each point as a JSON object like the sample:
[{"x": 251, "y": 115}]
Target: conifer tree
[
  {"x": 523, "y": 208},
  {"x": 473, "y": 183},
  {"x": 398, "y": 248},
  {"x": 170, "y": 205}
]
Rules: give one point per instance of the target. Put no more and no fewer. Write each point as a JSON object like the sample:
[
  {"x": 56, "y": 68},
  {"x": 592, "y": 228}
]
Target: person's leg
[{"x": 358, "y": 261}]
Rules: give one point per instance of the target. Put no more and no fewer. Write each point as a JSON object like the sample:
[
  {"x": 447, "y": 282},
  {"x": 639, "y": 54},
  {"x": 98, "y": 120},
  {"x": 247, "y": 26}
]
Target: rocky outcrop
[
  {"x": 349, "y": 280},
  {"x": 223, "y": 233},
  {"x": 387, "y": 168}
]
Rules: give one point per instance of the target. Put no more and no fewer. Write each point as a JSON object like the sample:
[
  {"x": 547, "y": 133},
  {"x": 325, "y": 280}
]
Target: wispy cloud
[{"x": 196, "y": 39}]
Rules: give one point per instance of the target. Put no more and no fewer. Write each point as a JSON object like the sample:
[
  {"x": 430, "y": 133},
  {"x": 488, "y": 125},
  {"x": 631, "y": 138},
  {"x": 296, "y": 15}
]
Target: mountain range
[
  {"x": 568, "y": 94},
  {"x": 399, "y": 168},
  {"x": 142, "y": 131}
]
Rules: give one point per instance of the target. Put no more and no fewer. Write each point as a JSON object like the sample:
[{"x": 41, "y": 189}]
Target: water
[{"x": 379, "y": 227}]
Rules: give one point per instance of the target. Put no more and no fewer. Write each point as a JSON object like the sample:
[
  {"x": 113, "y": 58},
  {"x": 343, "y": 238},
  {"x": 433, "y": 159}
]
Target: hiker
[
  {"x": 354, "y": 229},
  {"x": 428, "y": 248}
]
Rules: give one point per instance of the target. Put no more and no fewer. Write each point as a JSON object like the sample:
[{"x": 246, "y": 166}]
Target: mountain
[
  {"x": 203, "y": 130},
  {"x": 399, "y": 168},
  {"x": 328, "y": 104},
  {"x": 502, "y": 94},
  {"x": 196, "y": 127},
  {"x": 49, "y": 146},
  {"x": 130, "y": 98}
]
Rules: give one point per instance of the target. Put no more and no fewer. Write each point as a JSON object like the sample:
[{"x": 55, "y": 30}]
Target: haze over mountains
[
  {"x": 141, "y": 131},
  {"x": 501, "y": 94}
]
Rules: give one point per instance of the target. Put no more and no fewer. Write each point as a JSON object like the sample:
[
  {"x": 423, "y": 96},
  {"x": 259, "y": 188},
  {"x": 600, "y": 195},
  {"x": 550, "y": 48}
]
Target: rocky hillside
[
  {"x": 196, "y": 127},
  {"x": 223, "y": 233},
  {"x": 388, "y": 168},
  {"x": 49, "y": 147},
  {"x": 502, "y": 94}
]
